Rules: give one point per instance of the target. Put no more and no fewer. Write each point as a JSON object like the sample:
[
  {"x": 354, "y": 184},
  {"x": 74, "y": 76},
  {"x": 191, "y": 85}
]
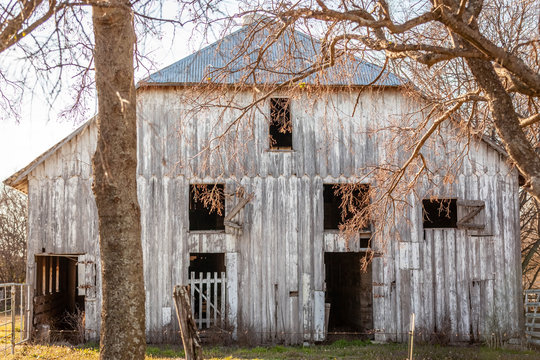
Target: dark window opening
[
  {"x": 364, "y": 243},
  {"x": 280, "y": 124},
  {"x": 202, "y": 263},
  {"x": 57, "y": 303},
  {"x": 439, "y": 213},
  {"x": 349, "y": 293},
  {"x": 206, "y": 207},
  {"x": 343, "y": 202}
]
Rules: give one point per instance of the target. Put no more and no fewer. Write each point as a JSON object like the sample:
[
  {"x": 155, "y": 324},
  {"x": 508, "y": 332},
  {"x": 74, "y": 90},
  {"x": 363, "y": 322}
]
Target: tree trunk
[
  {"x": 115, "y": 184},
  {"x": 504, "y": 117},
  {"x": 507, "y": 124}
]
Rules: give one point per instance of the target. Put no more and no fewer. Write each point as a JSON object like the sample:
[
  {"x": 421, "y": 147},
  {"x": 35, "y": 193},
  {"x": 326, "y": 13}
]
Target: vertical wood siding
[{"x": 452, "y": 279}]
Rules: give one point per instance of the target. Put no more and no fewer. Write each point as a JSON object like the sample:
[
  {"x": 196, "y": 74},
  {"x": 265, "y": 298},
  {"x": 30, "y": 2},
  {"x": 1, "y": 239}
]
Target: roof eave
[
  {"x": 145, "y": 84},
  {"x": 19, "y": 180}
]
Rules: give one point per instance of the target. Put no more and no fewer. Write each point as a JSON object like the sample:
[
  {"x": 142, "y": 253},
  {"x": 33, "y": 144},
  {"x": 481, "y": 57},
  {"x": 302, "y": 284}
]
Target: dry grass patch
[
  {"x": 339, "y": 350},
  {"x": 5, "y": 329}
]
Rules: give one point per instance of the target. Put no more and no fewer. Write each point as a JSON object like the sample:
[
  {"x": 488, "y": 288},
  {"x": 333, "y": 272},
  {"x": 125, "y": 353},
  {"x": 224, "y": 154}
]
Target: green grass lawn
[{"x": 339, "y": 350}]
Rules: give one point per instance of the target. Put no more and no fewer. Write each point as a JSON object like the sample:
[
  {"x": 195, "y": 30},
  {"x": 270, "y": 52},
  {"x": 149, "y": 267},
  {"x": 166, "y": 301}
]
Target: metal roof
[{"x": 233, "y": 60}]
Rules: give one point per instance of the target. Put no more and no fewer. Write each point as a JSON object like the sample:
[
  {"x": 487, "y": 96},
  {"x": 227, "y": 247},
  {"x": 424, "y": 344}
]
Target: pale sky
[
  {"x": 23, "y": 142},
  {"x": 39, "y": 129}
]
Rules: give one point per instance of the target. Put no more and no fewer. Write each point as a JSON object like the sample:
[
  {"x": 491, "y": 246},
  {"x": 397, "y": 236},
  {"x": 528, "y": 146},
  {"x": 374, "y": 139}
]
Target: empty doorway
[
  {"x": 349, "y": 292},
  {"x": 58, "y": 308},
  {"x": 208, "y": 286}
]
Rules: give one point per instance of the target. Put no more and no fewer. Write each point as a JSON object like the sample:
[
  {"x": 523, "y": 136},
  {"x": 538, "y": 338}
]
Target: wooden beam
[
  {"x": 188, "y": 330},
  {"x": 471, "y": 203},
  {"x": 232, "y": 224},
  {"x": 469, "y": 216},
  {"x": 238, "y": 207}
]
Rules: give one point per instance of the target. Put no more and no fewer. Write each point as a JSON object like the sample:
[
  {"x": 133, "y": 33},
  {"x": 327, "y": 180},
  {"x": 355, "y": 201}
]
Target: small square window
[
  {"x": 342, "y": 202},
  {"x": 439, "y": 213},
  {"x": 280, "y": 133},
  {"x": 206, "y": 207}
]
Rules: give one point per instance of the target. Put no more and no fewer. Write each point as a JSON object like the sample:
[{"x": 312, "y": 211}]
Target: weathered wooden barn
[{"x": 267, "y": 264}]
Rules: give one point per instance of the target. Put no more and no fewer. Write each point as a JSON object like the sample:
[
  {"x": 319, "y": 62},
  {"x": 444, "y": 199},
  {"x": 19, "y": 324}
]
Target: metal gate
[
  {"x": 532, "y": 316},
  {"x": 14, "y": 315},
  {"x": 208, "y": 296}
]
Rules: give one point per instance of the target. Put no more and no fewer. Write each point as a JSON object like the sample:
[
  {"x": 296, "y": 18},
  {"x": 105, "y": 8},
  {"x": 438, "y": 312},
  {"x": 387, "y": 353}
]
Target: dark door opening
[
  {"x": 349, "y": 291},
  {"x": 202, "y": 263},
  {"x": 208, "y": 286},
  {"x": 57, "y": 305}
]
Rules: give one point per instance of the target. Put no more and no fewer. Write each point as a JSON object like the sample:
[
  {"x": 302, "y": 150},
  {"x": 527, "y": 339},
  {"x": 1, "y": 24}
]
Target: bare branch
[{"x": 530, "y": 120}]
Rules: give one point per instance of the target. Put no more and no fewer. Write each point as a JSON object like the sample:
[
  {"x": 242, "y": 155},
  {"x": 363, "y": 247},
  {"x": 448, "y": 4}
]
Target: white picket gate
[
  {"x": 208, "y": 297},
  {"x": 14, "y": 315}
]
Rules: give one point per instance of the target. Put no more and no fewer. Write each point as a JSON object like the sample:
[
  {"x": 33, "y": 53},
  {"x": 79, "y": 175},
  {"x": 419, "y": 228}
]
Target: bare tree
[
  {"x": 12, "y": 235},
  {"x": 114, "y": 165},
  {"x": 530, "y": 240},
  {"x": 115, "y": 184},
  {"x": 474, "y": 63}
]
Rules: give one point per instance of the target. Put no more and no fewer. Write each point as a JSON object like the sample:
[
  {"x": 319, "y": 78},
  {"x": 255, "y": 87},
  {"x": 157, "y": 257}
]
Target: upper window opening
[
  {"x": 440, "y": 213},
  {"x": 346, "y": 202},
  {"x": 280, "y": 124},
  {"x": 206, "y": 207}
]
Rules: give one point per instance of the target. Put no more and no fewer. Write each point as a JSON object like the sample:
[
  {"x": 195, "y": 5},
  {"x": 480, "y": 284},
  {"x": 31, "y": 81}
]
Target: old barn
[{"x": 266, "y": 265}]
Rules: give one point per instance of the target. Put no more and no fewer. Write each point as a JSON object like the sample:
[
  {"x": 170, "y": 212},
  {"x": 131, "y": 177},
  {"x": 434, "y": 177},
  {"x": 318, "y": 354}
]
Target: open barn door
[
  {"x": 61, "y": 285},
  {"x": 349, "y": 293}
]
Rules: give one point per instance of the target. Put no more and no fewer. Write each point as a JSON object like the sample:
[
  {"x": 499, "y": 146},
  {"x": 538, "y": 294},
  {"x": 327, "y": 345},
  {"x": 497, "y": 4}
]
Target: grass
[
  {"x": 341, "y": 349},
  {"x": 5, "y": 329}
]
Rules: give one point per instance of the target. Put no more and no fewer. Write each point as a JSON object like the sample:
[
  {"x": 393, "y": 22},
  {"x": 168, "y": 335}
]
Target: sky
[
  {"x": 39, "y": 127},
  {"x": 22, "y": 142}
]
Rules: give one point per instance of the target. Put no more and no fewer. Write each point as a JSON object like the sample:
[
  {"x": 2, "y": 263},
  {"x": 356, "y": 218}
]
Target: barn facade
[{"x": 278, "y": 267}]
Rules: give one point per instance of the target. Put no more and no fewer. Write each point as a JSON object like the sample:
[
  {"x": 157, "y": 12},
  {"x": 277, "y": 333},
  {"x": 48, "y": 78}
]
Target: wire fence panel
[
  {"x": 532, "y": 316},
  {"x": 14, "y": 315}
]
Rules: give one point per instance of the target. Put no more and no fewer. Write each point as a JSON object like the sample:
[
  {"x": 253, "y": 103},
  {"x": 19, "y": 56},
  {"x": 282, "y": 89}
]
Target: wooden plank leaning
[{"x": 188, "y": 330}]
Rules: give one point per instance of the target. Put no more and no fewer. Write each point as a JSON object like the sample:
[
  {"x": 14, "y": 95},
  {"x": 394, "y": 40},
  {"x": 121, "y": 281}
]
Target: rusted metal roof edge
[
  {"x": 19, "y": 179},
  {"x": 143, "y": 84}
]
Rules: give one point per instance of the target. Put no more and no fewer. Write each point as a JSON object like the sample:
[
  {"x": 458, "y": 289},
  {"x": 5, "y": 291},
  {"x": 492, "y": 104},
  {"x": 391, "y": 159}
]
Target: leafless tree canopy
[
  {"x": 46, "y": 48},
  {"x": 12, "y": 235},
  {"x": 473, "y": 63},
  {"x": 530, "y": 240},
  {"x": 54, "y": 37}
]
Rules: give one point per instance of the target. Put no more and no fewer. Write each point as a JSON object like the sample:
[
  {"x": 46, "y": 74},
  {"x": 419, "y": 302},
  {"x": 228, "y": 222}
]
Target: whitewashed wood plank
[
  {"x": 440, "y": 296},
  {"x": 318, "y": 315}
]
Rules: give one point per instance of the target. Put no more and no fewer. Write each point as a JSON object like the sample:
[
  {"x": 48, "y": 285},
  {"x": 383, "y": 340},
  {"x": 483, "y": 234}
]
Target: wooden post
[
  {"x": 13, "y": 306},
  {"x": 27, "y": 319},
  {"x": 188, "y": 330},
  {"x": 411, "y": 337}
]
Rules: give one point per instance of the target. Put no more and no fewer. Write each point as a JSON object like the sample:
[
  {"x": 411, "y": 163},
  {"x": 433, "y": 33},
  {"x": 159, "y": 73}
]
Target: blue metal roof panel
[{"x": 235, "y": 60}]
